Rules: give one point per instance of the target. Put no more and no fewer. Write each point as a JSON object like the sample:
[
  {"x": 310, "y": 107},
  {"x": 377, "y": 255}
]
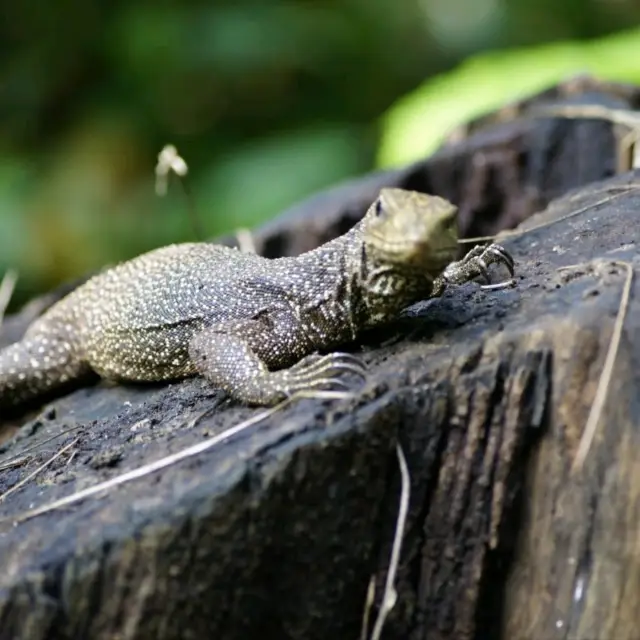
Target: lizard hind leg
[
  {"x": 224, "y": 355},
  {"x": 37, "y": 365}
]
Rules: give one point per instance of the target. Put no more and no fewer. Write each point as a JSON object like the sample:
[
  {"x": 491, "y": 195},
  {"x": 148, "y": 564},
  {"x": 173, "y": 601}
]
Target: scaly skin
[{"x": 250, "y": 325}]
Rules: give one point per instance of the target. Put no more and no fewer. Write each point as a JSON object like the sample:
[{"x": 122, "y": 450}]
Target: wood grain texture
[{"x": 276, "y": 534}]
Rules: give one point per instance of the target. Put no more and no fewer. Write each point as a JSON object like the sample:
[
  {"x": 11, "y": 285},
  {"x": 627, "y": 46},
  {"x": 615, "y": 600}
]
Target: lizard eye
[{"x": 378, "y": 208}]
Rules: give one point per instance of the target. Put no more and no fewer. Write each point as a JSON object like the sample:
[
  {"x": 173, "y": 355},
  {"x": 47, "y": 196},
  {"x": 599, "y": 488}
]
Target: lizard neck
[
  {"x": 385, "y": 289},
  {"x": 331, "y": 304},
  {"x": 349, "y": 290},
  {"x": 365, "y": 291}
]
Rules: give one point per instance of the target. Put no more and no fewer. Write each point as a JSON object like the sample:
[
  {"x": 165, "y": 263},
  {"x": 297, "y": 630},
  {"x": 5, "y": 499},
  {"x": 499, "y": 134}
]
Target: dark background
[{"x": 267, "y": 101}]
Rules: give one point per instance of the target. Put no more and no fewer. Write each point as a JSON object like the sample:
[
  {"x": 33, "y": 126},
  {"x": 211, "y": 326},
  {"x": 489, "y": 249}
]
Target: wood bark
[{"x": 275, "y": 534}]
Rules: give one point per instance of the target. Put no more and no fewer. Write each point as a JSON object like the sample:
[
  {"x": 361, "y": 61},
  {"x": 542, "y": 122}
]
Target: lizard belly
[{"x": 150, "y": 355}]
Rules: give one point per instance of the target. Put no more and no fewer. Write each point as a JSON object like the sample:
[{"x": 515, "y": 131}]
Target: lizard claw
[
  {"x": 500, "y": 255},
  {"x": 321, "y": 372},
  {"x": 477, "y": 262},
  {"x": 483, "y": 256},
  {"x": 330, "y": 364},
  {"x": 495, "y": 253}
]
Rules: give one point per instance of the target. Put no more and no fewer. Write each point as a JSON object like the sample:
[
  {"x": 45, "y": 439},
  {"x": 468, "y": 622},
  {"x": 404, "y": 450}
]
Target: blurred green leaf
[
  {"x": 267, "y": 100},
  {"x": 418, "y": 122},
  {"x": 262, "y": 178},
  {"x": 14, "y": 181}
]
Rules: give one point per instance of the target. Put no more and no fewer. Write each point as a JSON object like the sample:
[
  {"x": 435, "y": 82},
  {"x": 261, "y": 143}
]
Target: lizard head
[{"x": 410, "y": 229}]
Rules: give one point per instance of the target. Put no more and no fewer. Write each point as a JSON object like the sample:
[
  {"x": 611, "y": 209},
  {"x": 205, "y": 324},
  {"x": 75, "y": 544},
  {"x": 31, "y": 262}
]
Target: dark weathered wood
[
  {"x": 504, "y": 541},
  {"x": 276, "y": 533},
  {"x": 576, "y": 571}
]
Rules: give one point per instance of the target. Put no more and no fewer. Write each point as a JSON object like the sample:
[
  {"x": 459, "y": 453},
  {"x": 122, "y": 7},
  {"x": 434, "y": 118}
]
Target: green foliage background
[{"x": 267, "y": 100}]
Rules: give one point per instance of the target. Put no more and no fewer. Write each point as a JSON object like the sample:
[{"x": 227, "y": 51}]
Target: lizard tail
[{"x": 36, "y": 366}]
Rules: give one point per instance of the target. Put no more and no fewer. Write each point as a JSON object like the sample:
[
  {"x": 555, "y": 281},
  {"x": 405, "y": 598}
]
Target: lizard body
[{"x": 250, "y": 325}]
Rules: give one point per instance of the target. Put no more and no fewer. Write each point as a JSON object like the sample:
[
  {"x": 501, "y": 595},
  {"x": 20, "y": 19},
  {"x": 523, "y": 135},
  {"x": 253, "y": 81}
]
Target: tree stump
[{"x": 276, "y": 533}]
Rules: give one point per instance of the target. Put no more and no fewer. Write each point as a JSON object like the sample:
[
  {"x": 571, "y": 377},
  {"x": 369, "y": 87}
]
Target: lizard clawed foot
[
  {"x": 320, "y": 372},
  {"x": 497, "y": 254},
  {"x": 476, "y": 263}
]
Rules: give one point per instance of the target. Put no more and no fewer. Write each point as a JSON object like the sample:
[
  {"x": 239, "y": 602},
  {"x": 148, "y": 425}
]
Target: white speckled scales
[
  {"x": 250, "y": 325},
  {"x": 135, "y": 321}
]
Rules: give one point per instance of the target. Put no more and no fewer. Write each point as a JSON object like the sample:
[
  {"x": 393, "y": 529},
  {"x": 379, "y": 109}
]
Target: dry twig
[
  {"x": 390, "y": 595},
  {"x": 10, "y": 462},
  {"x": 174, "y": 458},
  {"x": 245, "y": 241},
  {"x": 170, "y": 161},
  {"x": 44, "y": 465},
  {"x": 604, "y": 381},
  {"x": 16, "y": 461}
]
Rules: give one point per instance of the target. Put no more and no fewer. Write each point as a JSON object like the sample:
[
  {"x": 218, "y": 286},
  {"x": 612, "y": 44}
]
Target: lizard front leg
[
  {"x": 246, "y": 359},
  {"x": 475, "y": 263}
]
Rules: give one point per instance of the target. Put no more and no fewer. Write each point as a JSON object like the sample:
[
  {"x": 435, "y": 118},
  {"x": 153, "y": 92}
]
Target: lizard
[{"x": 260, "y": 329}]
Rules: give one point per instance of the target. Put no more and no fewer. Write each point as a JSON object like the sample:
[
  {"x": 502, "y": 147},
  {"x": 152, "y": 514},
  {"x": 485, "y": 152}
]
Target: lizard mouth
[{"x": 415, "y": 253}]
